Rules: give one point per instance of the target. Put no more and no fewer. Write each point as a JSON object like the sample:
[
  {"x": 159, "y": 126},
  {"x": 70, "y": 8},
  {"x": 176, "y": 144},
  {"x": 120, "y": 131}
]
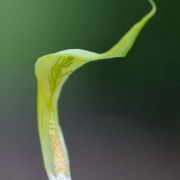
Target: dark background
[{"x": 120, "y": 117}]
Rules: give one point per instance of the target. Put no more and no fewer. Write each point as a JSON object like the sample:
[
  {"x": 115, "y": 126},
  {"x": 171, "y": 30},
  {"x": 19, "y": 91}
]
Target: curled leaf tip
[
  {"x": 154, "y": 7},
  {"x": 125, "y": 44}
]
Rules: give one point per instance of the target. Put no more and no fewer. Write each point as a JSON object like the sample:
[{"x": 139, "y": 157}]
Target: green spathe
[{"x": 52, "y": 71}]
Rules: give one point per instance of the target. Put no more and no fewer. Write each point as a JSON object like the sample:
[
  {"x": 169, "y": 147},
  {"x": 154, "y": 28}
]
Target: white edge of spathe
[{"x": 59, "y": 177}]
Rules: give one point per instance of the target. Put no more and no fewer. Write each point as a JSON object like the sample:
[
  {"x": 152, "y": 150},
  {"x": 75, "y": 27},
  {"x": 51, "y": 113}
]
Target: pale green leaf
[{"x": 52, "y": 71}]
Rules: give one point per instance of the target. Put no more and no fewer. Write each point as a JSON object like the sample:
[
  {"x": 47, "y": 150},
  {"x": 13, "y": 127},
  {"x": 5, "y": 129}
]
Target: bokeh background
[{"x": 121, "y": 117}]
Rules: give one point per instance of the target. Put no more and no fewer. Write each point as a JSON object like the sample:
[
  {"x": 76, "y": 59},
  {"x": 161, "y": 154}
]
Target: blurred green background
[{"x": 120, "y": 117}]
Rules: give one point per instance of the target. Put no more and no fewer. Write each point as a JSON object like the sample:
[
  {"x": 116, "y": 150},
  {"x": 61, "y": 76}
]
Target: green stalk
[{"x": 52, "y": 71}]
